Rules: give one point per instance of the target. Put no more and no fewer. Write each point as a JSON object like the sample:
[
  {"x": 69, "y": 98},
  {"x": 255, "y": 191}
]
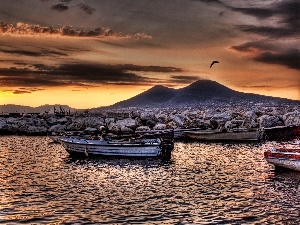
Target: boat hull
[
  {"x": 222, "y": 136},
  {"x": 284, "y": 158},
  {"x": 282, "y": 133},
  {"x": 149, "y": 148}
]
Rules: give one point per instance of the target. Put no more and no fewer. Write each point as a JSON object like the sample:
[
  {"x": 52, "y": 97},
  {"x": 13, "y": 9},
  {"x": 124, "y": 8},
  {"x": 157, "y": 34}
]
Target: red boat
[{"x": 288, "y": 158}]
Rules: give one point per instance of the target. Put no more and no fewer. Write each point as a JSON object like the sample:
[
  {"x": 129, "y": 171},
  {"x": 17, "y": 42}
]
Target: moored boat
[
  {"x": 154, "y": 147},
  {"x": 281, "y": 133},
  {"x": 231, "y": 135},
  {"x": 288, "y": 158}
]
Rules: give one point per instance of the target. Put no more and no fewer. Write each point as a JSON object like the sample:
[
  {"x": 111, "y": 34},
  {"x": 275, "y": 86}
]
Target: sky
[{"x": 90, "y": 53}]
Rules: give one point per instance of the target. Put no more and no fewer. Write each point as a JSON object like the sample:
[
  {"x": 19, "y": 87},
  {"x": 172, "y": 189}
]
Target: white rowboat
[{"x": 130, "y": 148}]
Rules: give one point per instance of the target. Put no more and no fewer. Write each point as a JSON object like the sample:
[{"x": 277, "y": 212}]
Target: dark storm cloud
[
  {"x": 289, "y": 58},
  {"x": 286, "y": 16},
  {"x": 286, "y": 13},
  {"x": 60, "y": 7},
  {"x": 78, "y": 75},
  {"x": 131, "y": 67},
  {"x": 210, "y": 1},
  {"x": 256, "y": 12},
  {"x": 37, "y": 53},
  {"x": 86, "y": 8},
  {"x": 181, "y": 79},
  {"x": 262, "y": 45},
  {"x": 271, "y": 32},
  {"x": 268, "y": 53}
]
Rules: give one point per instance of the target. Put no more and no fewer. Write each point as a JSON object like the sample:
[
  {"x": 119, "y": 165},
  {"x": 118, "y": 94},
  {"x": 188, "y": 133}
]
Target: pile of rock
[{"x": 154, "y": 119}]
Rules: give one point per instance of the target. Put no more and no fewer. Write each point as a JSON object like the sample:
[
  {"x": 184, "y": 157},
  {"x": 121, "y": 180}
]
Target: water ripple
[{"x": 204, "y": 183}]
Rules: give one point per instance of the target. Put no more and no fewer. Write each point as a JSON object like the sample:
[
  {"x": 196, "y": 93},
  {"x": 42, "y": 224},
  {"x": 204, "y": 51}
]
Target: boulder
[
  {"x": 177, "y": 120},
  {"x": 90, "y": 130},
  {"x": 172, "y": 125},
  {"x": 291, "y": 118},
  {"x": 128, "y": 122},
  {"x": 143, "y": 128},
  {"x": 36, "y": 130},
  {"x": 225, "y": 116},
  {"x": 160, "y": 126},
  {"x": 147, "y": 115},
  {"x": 51, "y": 120},
  {"x": 126, "y": 130},
  {"x": 109, "y": 120},
  {"x": 3, "y": 124},
  {"x": 58, "y": 128},
  {"x": 269, "y": 121},
  {"x": 150, "y": 123},
  {"x": 94, "y": 122},
  {"x": 62, "y": 120},
  {"x": 114, "y": 128}
]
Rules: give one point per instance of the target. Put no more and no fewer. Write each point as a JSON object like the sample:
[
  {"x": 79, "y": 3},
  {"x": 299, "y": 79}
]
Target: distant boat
[
  {"x": 152, "y": 147},
  {"x": 288, "y": 158},
  {"x": 231, "y": 135},
  {"x": 176, "y": 134}
]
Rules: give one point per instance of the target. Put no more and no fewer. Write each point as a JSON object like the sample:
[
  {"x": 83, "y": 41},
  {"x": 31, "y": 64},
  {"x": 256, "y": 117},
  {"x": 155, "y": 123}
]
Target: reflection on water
[{"x": 204, "y": 183}]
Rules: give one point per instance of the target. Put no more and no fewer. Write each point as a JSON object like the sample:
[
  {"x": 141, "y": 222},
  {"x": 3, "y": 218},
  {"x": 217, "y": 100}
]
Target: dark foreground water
[{"x": 202, "y": 184}]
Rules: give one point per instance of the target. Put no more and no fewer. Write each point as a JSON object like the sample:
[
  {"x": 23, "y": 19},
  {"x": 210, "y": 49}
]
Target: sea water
[{"x": 203, "y": 183}]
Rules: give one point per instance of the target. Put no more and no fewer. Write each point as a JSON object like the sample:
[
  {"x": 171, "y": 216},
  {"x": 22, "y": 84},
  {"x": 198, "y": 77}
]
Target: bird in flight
[{"x": 213, "y": 62}]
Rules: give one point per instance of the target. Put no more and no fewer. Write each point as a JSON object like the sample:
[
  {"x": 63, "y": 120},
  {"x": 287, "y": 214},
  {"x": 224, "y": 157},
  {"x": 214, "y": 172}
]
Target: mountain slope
[
  {"x": 197, "y": 93},
  {"x": 154, "y": 96}
]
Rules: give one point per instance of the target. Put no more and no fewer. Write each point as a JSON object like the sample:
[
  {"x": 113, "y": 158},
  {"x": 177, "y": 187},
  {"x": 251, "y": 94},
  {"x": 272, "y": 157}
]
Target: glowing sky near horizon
[{"x": 93, "y": 53}]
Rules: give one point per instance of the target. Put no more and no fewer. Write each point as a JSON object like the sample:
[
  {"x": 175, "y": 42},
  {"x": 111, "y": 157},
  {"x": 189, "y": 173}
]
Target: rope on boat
[{"x": 86, "y": 151}]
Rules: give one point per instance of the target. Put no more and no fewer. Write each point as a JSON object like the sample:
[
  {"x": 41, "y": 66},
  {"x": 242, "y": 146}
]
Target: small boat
[
  {"x": 288, "y": 158},
  {"x": 179, "y": 132},
  {"x": 217, "y": 135},
  {"x": 152, "y": 147},
  {"x": 55, "y": 137},
  {"x": 281, "y": 133}
]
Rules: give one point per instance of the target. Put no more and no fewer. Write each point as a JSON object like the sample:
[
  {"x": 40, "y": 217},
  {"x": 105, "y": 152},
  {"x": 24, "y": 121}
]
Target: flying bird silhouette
[{"x": 213, "y": 62}]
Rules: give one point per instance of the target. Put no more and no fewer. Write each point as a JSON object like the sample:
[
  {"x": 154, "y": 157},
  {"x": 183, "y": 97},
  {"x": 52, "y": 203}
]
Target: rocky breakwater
[{"x": 154, "y": 119}]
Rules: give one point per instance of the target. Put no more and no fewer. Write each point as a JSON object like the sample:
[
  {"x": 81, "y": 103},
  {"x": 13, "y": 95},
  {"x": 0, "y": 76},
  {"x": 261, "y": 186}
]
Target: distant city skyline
[{"x": 88, "y": 54}]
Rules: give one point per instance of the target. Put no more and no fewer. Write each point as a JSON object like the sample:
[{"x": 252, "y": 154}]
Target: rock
[
  {"x": 126, "y": 130},
  {"x": 269, "y": 121},
  {"x": 172, "y": 125},
  {"x": 251, "y": 115},
  {"x": 148, "y": 115},
  {"x": 109, "y": 120},
  {"x": 58, "y": 128},
  {"x": 291, "y": 118},
  {"x": 51, "y": 120},
  {"x": 214, "y": 124},
  {"x": 143, "y": 128},
  {"x": 160, "y": 126},
  {"x": 128, "y": 122},
  {"x": 114, "y": 128},
  {"x": 62, "y": 120},
  {"x": 177, "y": 120},
  {"x": 3, "y": 124},
  {"x": 90, "y": 130},
  {"x": 36, "y": 130},
  {"x": 94, "y": 122},
  {"x": 150, "y": 123},
  {"x": 225, "y": 116},
  {"x": 161, "y": 117}
]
